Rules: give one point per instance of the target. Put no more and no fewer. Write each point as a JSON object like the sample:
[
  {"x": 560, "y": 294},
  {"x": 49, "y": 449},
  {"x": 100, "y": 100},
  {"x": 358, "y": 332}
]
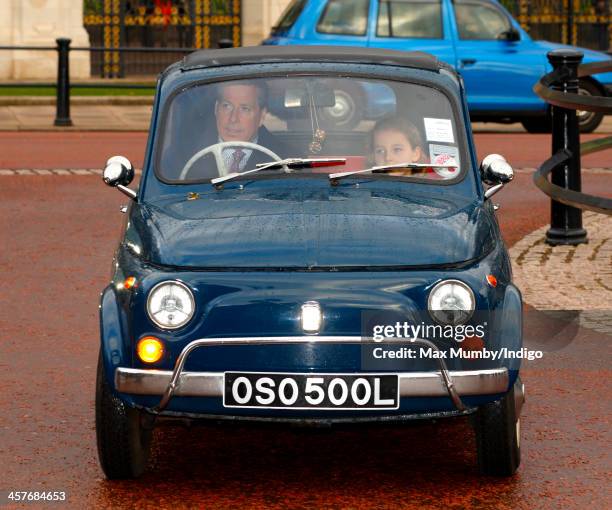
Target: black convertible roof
[{"x": 277, "y": 54}]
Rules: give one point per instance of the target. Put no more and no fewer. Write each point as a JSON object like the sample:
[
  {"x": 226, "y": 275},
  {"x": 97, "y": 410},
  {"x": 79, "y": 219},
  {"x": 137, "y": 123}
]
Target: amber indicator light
[{"x": 150, "y": 349}]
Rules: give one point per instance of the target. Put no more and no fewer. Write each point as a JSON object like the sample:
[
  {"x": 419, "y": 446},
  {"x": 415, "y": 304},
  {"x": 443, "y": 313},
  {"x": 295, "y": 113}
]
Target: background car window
[
  {"x": 347, "y": 17},
  {"x": 480, "y": 20},
  {"x": 289, "y": 16},
  {"x": 420, "y": 19}
]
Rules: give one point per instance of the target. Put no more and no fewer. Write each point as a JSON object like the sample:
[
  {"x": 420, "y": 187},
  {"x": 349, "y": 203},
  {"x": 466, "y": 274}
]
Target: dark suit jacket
[{"x": 206, "y": 169}]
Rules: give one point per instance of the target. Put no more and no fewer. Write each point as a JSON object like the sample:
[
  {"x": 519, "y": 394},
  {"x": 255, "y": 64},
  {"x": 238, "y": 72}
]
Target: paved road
[
  {"x": 92, "y": 149},
  {"x": 58, "y": 233}
]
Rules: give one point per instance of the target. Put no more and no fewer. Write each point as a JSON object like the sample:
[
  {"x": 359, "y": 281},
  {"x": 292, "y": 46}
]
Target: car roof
[{"x": 277, "y": 54}]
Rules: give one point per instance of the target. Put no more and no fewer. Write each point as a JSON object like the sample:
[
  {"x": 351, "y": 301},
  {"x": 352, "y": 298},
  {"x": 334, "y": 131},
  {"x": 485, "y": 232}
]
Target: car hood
[{"x": 311, "y": 228}]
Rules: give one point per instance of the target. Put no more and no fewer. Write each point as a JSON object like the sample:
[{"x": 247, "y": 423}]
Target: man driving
[{"x": 240, "y": 110}]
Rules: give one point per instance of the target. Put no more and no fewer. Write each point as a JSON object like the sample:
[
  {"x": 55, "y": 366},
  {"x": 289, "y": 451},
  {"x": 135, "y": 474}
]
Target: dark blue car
[
  {"x": 277, "y": 266},
  {"x": 497, "y": 59}
]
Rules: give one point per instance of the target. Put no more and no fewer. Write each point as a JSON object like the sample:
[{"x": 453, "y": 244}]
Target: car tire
[
  {"x": 123, "y": 443},
  {"x": 347, "y": 113},
  {"x": 498, "y": 437},
  {"x": 589, "y": 121}
]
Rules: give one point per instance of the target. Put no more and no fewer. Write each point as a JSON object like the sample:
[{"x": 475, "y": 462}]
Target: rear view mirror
[{"x": 321, "y": 94}]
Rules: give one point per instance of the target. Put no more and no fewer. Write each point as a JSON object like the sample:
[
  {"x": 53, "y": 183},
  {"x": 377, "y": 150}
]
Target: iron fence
[
  {"x": 180, "y": 24},
  {"x": 586, "y": 23}
]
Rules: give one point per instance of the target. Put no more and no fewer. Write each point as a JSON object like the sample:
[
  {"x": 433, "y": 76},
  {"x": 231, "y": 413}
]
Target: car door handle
[{"x": 467, "y": 62}]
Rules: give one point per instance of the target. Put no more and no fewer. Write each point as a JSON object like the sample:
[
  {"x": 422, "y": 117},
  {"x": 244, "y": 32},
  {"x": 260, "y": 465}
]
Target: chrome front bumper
[
  {"x": 180, "y": 383},
  {"x": 210, "y": 384}
]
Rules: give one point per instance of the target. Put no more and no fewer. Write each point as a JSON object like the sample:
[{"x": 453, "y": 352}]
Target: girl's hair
[{"x": 401, "y": 124}]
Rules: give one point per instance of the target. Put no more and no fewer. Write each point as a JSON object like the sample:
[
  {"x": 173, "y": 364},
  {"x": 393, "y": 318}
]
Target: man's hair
[
  {"x": 260, "y": 87},
  {"x": 401, "y": 124}
]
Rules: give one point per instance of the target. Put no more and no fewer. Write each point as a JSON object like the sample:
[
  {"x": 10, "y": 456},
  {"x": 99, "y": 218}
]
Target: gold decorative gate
[
  {"x": 585, "y": 23},
  {"x": 156, "y": 24}
]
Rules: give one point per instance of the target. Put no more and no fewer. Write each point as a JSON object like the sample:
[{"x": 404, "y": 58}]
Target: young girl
[{"x": 396, "y": 140}]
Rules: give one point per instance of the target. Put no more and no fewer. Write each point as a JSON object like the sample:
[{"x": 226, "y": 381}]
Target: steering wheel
[{"x": 217, "y": 150}]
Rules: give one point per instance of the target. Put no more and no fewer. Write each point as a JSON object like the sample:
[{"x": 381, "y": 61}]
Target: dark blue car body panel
[{"x": 252, "y": 257}]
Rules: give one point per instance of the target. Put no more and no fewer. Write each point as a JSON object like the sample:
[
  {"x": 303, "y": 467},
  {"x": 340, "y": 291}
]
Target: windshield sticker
[
  {"x": 439, "y": 130},
  {"x": 443, "y": 154}
]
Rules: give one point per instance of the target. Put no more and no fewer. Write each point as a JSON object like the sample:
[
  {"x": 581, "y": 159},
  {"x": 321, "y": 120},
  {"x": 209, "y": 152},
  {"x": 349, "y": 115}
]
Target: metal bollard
[
  {"x": 566, "y": 221},
  {"x": 226, "y": 43},
  {"x": 62, "y": 115}
]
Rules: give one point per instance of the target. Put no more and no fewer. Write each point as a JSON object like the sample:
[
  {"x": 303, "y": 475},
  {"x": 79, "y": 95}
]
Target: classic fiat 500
[{"x": 278, "y": 266}]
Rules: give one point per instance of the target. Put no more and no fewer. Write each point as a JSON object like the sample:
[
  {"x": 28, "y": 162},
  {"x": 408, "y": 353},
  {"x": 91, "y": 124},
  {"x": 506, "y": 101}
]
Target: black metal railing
[
  {"x": 559, "y": 88},
  {"x": 63, "y": 84}
]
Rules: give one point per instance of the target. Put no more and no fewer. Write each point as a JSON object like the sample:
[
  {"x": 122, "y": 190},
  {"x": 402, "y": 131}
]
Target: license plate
[{"x": 310, "y": 391}]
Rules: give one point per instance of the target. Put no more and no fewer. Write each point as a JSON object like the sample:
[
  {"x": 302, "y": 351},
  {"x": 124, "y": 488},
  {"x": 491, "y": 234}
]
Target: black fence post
[
  {"x": 62, "y": 115},
  {"x": 566, "y": 221}
]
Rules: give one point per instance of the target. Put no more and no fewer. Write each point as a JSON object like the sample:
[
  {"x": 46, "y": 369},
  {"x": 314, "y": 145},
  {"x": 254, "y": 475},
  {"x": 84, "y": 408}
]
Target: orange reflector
[
  {"x": 129, "y": 282},
  {"x": 491, "y": 280},
  {"x": 150, "y": 349}
]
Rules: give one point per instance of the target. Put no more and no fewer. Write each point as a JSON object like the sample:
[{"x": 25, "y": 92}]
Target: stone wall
[
  {"x": 257, "y": 18},
  {"x": 39, "y": 23}
]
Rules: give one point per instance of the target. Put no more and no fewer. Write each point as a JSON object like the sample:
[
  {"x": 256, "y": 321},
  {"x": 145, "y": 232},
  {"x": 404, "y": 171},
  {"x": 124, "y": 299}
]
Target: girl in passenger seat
[{"x": 397, "y": 140}]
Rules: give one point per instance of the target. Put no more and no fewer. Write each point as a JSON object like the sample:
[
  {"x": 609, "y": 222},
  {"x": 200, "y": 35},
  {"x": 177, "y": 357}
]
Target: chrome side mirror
[
  {"x": 118, "y": 173},
  {"x": 497, "y": 172}
]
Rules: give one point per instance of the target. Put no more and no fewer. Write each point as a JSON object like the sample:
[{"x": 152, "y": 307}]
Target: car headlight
[
  {"x": 170, "y": 305},
  {"x": 451, "y": 302}
]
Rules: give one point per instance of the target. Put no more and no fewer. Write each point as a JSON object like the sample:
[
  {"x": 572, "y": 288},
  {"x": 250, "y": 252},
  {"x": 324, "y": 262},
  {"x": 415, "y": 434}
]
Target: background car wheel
[
  {"x": 347, "y": 112},
  {"x": 588, "y": 121},
  {"x": 123, "y": 443},
  {"x": 498, "y": 437}
]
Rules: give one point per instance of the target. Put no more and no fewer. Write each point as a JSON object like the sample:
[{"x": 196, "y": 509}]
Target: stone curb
[
  {"x": 78, "y": 100},
  {"x": 569, "y": 278},
  {"x": 53, "y": 171},
  {"x": 98, "y": 171}
]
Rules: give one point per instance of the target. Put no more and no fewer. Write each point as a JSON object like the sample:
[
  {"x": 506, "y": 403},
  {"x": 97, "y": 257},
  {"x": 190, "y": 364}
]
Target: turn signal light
[
  {"x": 491, "y": 280},
  {"x": 129, "y": 282},
  {"x": 150, "y": 349}
]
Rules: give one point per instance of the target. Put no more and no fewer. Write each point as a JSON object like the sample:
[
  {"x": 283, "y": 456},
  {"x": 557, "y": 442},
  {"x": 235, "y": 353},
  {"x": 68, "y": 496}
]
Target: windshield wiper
[
  {"x": 334, "y": 178},
  {"x": 286, "y": 164}
]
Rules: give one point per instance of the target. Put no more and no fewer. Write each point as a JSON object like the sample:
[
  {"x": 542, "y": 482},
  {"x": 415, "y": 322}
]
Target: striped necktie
[{"x": 236, "y": 159}]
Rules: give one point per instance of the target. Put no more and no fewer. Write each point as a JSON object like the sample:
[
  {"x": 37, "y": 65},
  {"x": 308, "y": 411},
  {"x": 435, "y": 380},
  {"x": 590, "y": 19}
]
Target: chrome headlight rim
[
  {"x": 191, "y": 299},
  {"x": 453, "y": 281}
]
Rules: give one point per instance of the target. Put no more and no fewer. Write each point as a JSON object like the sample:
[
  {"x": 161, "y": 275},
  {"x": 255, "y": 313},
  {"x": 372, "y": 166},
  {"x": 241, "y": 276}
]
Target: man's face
[{"x": 238, "y": 113}]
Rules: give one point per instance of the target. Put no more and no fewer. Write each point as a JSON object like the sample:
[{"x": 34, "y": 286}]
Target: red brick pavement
[{"x": 91, "y": 149}]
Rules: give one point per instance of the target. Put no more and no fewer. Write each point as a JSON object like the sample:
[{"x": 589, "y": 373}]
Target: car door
[
  {"x": 412, "y": 25},
  {"x": 499, "y": 72}
]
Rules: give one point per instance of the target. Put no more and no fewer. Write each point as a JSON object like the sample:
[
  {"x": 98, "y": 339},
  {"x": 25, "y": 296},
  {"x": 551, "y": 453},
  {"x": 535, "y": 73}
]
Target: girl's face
[{"x": 392, "y": 147}]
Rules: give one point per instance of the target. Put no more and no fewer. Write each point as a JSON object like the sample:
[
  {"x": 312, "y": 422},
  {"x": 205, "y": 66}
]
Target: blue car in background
[{"x": 497, "y": 59}]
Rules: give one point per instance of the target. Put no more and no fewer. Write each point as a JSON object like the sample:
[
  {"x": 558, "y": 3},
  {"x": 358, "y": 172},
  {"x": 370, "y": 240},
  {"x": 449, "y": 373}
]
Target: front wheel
[
  {"x": 123, "y": 443},
  {"x": 498, "y": 437}
]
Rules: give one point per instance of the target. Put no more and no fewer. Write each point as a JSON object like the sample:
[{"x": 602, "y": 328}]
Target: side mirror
[
  {"x": 119, "y": 173},
  {"x": 496, "y": 171},
  {"x": 510, "y": 35}
]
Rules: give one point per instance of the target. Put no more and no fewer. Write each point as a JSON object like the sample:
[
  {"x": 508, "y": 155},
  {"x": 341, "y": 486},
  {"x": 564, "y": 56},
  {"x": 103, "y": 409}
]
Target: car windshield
[{"x": 216, "y": 129}]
